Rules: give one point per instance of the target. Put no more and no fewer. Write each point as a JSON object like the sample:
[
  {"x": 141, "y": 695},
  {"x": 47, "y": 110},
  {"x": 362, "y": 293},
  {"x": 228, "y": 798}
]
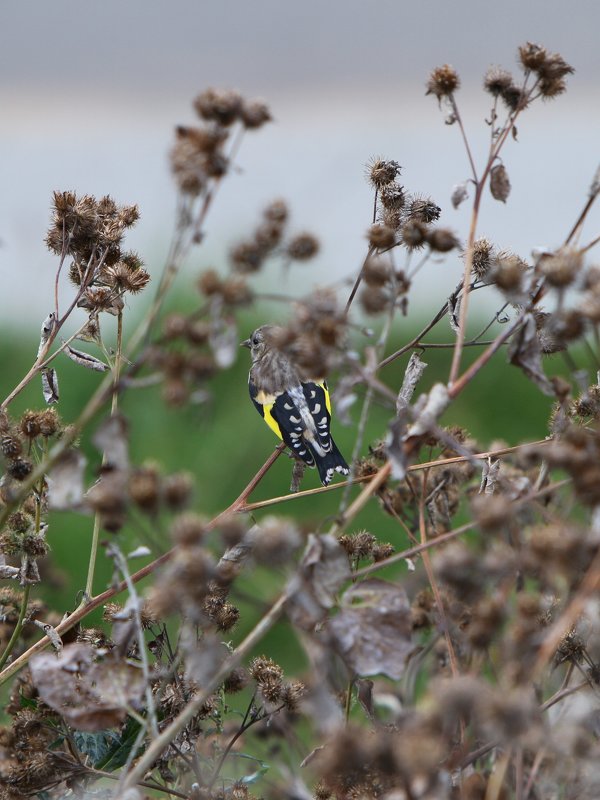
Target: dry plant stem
[
  {"x": 178, "y": 724},
  {"x": 495, "y": 147},
  {"x": 444, "y": 537},
  {"x": 417, "y": 340},
  {"x": 18, "y": 627},
  {"x": 537, "y": 763},
  {"x": 581, "y": 218},
  {"x": 358, "y": 280},
  {"x": 464, "y": 137},
  {"x": 441, "y": 462},
  {"x": 85, "y": 608},
  {"x": 462, "y": 321},
  {"x": 87, "y": 593},
  {"x": 150, "y": 704},
  {"x": 146, "y": 784}
]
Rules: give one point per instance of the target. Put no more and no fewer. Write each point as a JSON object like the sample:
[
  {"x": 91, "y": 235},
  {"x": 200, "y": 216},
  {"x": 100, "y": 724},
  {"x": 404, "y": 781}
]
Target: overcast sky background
[{"x": 90, "y": 93}]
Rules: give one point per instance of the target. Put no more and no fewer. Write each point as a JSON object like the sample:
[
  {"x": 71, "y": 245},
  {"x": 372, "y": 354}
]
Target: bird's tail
[{"x": 332, "y": 461}]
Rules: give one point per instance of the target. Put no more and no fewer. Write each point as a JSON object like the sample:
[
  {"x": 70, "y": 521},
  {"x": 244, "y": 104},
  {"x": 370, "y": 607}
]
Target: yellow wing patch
[
  {"x": 323, "y": 386},
  {"x": 272, "y": 423}
]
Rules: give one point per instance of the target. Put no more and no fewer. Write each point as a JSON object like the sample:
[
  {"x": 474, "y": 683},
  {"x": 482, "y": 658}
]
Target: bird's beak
[{"x": 246, "y": 343}]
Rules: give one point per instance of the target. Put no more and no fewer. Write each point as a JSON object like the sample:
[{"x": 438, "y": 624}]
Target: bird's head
[{"x": 260, "y": 341}]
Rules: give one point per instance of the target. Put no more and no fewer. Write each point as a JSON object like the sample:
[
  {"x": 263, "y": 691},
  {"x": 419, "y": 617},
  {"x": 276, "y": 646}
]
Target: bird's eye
[{"x": 255, "y": 340}]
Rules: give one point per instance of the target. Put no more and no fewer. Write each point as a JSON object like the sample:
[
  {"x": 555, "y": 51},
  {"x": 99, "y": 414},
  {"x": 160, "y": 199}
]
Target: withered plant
[{"x": 471, "y": 670}]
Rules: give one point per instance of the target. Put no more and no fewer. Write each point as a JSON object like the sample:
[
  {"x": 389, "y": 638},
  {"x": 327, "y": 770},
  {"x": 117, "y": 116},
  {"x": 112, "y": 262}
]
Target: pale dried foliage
[{"x": 471, "y": 669}]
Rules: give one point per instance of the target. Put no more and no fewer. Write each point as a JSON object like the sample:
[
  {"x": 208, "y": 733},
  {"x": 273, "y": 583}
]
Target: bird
[{"x": 297, "y": 410}]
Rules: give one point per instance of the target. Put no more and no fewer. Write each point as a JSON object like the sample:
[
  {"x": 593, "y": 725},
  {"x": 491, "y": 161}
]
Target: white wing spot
[
  {"x": 317, "y": 408},
  {"x": 295, "y": 435},
  {"x": 298, "y": 427},
  {"x": 313, "y": 394},
  {"x": 294, "y": 419},
  {"x": 287, "y": 406}
]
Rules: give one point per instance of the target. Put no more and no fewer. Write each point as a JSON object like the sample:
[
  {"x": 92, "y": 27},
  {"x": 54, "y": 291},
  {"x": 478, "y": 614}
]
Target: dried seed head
[
  {"x": 381, "y": 237},
  {"x": 442, "y": 240},
  {"x": 10, "y": 445},
  {"x": 292, "y": 695},
  {"x": 188, "y": 529},
  {"x": 144, "y": 488},
  {"x": 423, "y": 209},
  {"x": 254, "y": 114},
  {"x": 374, "y": 299},
  {"x": 562, "y": 267},
  {"x": 443, "y": 82},
  {"x": 380, "y": 172},
  {"x": 247, "y": 257},
  {"x": 30, "y": 424},
  {"x": 19, "y": 468},
  {"x": 497, "y": 81},
  {"x": 414, "y": 234},
  {"x": 276, "y": 211},
  {"x": 381, "y": 551},
  {"x": 223, "y": 106},
  {"x": 274, "y": 541},
  {"x": 376, "y": 272},
  {"x": 235, "y": 681},
  {"x": 265, "y": 669},
  {"x": 392, "y": 196},
  {"x": 492, "y": 511},
  {"x": 268, "y": 235},
  {"x": 514, "y": 98},
  {"x": 508, "y": 271},
  {"x": 49, "y": 422},
  {"x": 177, "y": 490},
  {"x": 302, "y": 247}
]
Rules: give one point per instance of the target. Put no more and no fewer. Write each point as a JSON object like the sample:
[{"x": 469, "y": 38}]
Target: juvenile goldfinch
[{"x": 296, "y": 409}]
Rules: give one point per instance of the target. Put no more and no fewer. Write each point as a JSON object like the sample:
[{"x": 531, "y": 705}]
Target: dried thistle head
[
  {"x": 222, "y": 106},
  {"x": 443, "y": 82},
  {"x": 380, "y": 172},
  {"x": 497, "y": 81},
  {"x": 302, "y": 247}
]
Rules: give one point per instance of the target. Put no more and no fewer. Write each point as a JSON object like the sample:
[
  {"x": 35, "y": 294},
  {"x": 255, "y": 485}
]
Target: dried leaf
[
  {"x": 90, "y": 695},
  {"x": 326, "y": 563},
  {"x": 50, "y": 385},
  {"x": 373, "y": 630},
  {"x": 489, "y": 475},
  {"x": 7, "y": 572},
  {"x": 85, "y": 359},
  {"x": 297, "y": 475},
  {"x": 139, "y": 552},
  {"x": 50, "y": 632},
  {"x": 394, "y": 445},
  {"x": 459, "y": 193},
  {"x": 524, "y": 351},
  {"x": 48, "y": 326},
  {"x": 454, "y": 312},
  {"x": 434, "y": 405},
  {"x": 324, "y": 568},
  {"x": 65, "y": 481},
  {"x": 499, "y": 183},
  {"x": 111, "y": 439},
  {"x": 412, "y": 376},
  {"x": 29, "y": 572},
  {"x": 365, "y": 696}
]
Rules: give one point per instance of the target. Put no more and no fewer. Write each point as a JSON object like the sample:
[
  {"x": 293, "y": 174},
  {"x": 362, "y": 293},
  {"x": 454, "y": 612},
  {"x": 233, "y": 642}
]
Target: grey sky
[{"x": 90, "y": 93}]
